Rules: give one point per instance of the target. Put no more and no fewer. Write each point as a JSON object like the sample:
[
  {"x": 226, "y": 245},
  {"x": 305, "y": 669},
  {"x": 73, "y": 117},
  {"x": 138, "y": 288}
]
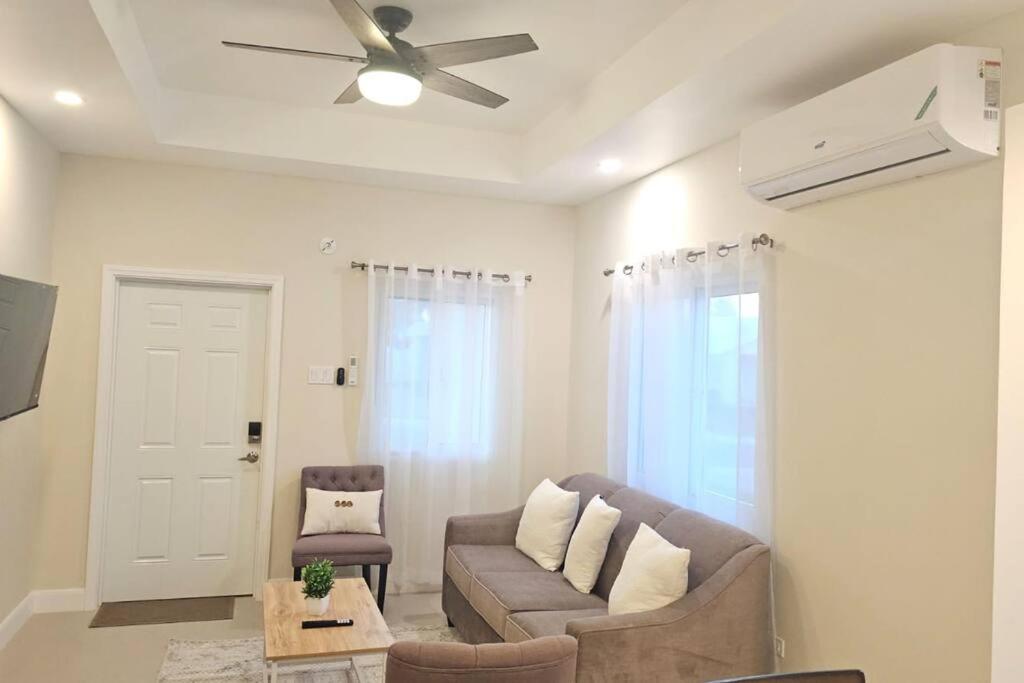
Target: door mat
[{"x": 163, "y": 611}]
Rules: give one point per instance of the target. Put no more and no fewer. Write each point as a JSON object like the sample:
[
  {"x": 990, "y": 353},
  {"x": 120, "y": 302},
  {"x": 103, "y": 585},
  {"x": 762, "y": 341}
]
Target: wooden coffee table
[{"x": 284, "y": 610}]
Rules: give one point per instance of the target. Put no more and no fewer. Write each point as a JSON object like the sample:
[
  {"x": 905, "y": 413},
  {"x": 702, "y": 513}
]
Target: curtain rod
[
  {"x": 762, "y": 240},
  {"x": 505, "y": 277}
]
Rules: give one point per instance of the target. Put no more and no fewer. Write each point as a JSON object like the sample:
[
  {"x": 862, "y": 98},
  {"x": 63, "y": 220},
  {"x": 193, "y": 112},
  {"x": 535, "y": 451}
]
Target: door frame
[{"x": 113, "y": 278}]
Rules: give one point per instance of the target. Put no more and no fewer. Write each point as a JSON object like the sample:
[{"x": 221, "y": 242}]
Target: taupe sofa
[{"x": 721, "y": 627}]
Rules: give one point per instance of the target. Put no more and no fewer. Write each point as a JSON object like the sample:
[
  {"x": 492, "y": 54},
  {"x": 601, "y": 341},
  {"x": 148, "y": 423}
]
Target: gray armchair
[
  {"x": 544, "y": 660},
  {"x": 344, "y": 550}
]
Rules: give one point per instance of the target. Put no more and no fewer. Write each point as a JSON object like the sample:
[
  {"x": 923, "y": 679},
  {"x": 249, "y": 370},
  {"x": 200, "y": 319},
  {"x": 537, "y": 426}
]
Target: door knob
[{"x": 250, "y": 457}]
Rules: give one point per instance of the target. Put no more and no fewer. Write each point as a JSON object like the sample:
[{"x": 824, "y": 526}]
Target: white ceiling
[
  {"x": 577, "y": 38},
  {"x": 649, "y": 82}
]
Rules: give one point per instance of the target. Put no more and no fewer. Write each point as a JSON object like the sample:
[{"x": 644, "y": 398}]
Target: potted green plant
[{"x": 317, "y": 582}]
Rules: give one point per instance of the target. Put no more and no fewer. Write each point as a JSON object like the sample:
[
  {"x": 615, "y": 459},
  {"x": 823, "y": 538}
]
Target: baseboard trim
[
  {"x": 58, "y": 600},
  {"x": 40, "y": 602},
  {"x": 13, "y": 622}
]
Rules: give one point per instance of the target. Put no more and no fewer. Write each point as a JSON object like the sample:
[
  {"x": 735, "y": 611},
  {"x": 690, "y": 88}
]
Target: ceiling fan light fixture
[{"x": 389, "y": 85}]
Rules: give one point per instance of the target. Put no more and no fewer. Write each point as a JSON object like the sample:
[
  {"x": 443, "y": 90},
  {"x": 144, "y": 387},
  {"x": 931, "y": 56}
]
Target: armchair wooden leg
[
  {"x": 296, "y": 573},
  {"x": 366, "y": 575},
  {"x": 382, "y": 584}
]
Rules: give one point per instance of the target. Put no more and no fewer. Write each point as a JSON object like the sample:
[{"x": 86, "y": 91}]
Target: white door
[{"x": 188, "y": 378}]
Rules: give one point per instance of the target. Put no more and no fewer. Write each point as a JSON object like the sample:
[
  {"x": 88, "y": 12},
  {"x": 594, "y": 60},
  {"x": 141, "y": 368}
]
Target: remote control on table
[{"x": 326, "y": 623}]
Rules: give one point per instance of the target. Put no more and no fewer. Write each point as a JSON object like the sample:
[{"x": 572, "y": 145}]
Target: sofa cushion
[
  {"x": 342, "y": 549},
  {"x": 526, "y": 625},
  {"x": 496, "y": 595},
  {"x": 711, "y": 542},
  {"x": 463, "y": 562},
  {"x": 637, "y": 507},
  {"x": 590, "y": 485}
]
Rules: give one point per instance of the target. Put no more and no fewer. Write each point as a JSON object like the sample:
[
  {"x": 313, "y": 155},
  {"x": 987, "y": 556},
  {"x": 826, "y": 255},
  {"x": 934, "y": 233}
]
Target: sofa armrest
[
  {"x": 547, "y": 659},
  {"x": 721, "y": 628},
  {"x": 497, "y": 528}
]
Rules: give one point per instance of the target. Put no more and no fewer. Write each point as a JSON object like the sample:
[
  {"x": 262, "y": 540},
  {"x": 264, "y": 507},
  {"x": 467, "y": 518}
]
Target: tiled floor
[{"x": 60, "y": 648}]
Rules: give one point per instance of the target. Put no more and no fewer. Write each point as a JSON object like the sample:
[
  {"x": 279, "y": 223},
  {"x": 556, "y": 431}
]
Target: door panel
[
  {"x": 153, "y": 538},
  {"x": 220, "y": 410},
  {"x": 160, "y": 398},
  {"x": 215, "y": 502},
  {"x": 188, "y": 377}
]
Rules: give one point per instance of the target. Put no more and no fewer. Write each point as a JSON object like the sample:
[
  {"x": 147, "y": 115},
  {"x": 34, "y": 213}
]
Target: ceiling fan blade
[
  {"x": 363, "y": 27},
  {"x": 479, "y": 50},
  {"x": 351, "y": 94},
  {"x": 294, "y": 51},
  {"x": 449, "y": 84}
]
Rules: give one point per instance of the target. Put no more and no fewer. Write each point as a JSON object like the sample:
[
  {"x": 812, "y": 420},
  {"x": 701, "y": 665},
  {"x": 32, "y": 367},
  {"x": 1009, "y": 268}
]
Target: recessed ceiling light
[
  {"x": 609, "y": 166},
  {"x": 68, "y": 97}
]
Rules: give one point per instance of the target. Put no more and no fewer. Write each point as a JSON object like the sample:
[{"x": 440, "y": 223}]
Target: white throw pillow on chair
[
  {"x": 589, "y": 544},
  {"x": 546, "y": 524},
  {"x": 335, "y": 512},
  {"x": 653, "y": 574}
]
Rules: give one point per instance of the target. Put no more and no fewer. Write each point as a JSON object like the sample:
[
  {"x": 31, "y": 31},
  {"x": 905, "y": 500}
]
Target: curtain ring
[
  {"x": 627, "y": 269},
  {"x": 691, "y": 257},
  {"x": 505, "y": 277},
  {"x": 723, "y": 250}
]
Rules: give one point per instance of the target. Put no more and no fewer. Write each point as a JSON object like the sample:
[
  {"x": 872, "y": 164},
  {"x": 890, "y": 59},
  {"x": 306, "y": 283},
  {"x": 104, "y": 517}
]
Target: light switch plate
[{"x": 321, "y": 374}]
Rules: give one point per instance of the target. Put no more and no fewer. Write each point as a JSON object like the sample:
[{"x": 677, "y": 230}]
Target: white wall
[
  {"x": 886, "y": 399},
  {"x": 131, "y": 213},
  {"x": 28, "y": 186},
  {"x": 1008, "y": 587},
  {"x": 886, "y": 357}
]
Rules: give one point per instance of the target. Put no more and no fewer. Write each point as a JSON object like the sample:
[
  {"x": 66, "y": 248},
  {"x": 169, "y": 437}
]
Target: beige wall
[
  {"x": 1008, "y": 589},
  {"x": 28, "y": 186},
  {"x": 886, "y": 398},
  {"x": 131, "y": 213}
]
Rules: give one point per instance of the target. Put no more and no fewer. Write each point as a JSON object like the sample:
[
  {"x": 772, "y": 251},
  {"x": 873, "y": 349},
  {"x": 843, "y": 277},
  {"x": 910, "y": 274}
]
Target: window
[
  {"x": 442, "y": 405},
  {"x": 730, "y": 429},
  {"x": 686, "y": 407},
  {"x": 415, "y": 369}
]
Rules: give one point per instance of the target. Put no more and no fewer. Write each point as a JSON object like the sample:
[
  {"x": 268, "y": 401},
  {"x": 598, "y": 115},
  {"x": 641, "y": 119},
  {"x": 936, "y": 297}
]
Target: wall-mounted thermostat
[{"x": 353, "y": 371}]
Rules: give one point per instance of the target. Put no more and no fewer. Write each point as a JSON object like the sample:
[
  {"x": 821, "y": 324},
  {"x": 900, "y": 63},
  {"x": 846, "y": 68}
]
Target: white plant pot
[{"x": 318, "y": 606}]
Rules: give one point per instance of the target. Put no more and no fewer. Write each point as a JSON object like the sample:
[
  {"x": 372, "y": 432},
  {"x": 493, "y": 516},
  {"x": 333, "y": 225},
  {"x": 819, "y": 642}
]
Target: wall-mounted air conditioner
[{"x": 932, "y": 111}]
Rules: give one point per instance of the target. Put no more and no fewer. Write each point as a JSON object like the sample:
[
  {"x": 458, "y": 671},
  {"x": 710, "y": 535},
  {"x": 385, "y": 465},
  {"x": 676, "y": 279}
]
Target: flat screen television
[{"x": 26, "y": 316}]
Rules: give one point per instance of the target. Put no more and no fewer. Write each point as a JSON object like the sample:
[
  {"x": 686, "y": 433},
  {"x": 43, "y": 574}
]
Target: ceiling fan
[{"x": 396, "y": 71}]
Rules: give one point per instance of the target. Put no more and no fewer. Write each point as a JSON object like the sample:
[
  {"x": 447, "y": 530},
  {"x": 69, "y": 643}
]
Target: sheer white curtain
[
  {"x": 690, "y": 385},
  {"x": 442, "y": 408}
]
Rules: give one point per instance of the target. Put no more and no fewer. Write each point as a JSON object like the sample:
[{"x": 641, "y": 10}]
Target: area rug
[
  {"x": 241, "y": 661},
  {"x": 163, "y": 611}
]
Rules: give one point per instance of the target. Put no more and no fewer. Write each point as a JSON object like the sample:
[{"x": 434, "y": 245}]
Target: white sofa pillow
[
  {"x": 653, "y": 574},
  {"x": 334, "y": 512},
  {"x": 546, "y": 524},
  {"x": 589, "y": 544}
]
